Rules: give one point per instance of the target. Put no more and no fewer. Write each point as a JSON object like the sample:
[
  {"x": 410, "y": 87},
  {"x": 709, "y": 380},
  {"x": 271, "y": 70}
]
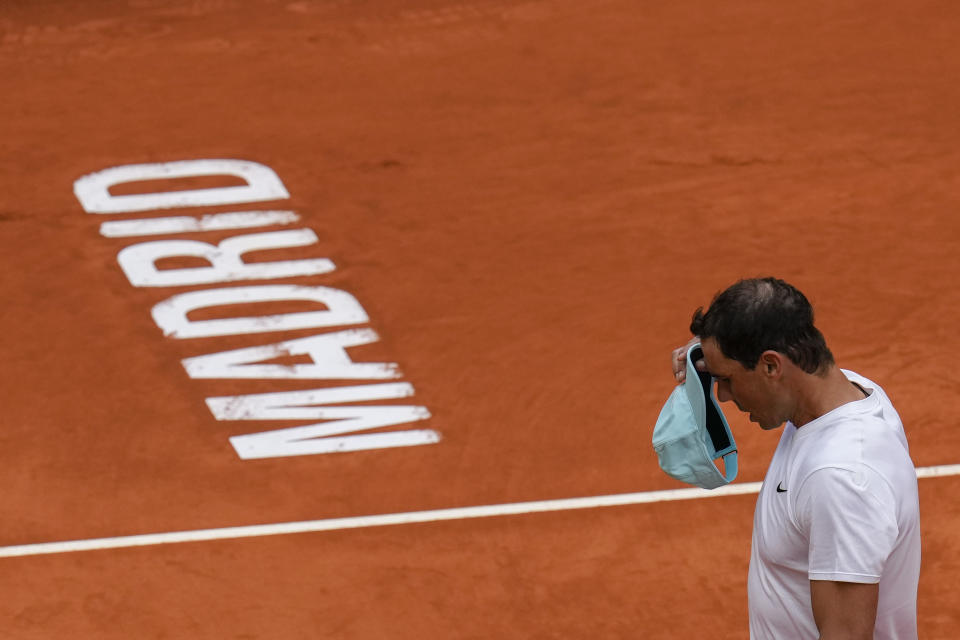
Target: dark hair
[{"x": 755, "y": 315}]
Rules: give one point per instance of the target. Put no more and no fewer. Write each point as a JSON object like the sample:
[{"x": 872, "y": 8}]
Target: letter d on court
[{"x": 93, "y": 190}]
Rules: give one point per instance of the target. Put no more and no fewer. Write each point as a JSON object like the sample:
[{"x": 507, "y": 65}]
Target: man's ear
[{"x": 771, "y": 363}]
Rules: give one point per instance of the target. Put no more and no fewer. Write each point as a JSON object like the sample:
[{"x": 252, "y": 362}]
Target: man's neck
[{"x": 821, "y": 393}]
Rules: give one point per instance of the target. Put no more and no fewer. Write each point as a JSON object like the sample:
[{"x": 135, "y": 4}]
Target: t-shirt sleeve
[{"x": 849, "y": 517}]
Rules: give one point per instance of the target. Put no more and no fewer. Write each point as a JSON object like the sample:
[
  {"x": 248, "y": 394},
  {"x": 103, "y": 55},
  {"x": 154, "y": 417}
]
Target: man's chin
[{"x": 763, "y": 423}]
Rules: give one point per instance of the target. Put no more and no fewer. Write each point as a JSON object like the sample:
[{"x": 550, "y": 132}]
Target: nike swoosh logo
[{"x": 780, "y": 489}]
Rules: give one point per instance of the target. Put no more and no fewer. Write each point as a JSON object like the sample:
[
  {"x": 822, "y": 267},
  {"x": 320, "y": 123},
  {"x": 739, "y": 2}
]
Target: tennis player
[{"x": 836, "y": 534}]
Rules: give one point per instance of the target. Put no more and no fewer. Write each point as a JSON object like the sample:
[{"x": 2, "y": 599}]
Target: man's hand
[{"x": 678, "y": 359}]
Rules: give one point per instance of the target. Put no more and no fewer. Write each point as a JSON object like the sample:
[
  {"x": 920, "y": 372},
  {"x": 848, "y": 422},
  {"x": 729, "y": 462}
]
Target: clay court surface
[{"x": 528, "y": 199}]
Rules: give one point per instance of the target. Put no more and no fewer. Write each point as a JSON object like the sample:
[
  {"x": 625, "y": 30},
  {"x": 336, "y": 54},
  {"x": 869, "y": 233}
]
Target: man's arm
[{"x": 844, "y": 610}]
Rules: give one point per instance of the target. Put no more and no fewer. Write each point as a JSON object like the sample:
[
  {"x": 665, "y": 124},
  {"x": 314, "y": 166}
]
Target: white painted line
[
  {"x": 936, "y": 472},
  {"x": 438, "y": 515},
  {"x": 461, "y": 513}
]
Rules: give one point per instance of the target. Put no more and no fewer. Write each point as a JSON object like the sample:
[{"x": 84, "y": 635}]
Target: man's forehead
[{"x": 717, "y": 363}]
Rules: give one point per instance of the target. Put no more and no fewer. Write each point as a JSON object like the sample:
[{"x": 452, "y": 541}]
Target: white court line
[{"x": 460, "y": 513}]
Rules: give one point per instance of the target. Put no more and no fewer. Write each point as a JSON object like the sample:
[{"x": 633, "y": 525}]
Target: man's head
[
  {"x": 756, "y": 335},
  {"x": 763, "y": 314}
]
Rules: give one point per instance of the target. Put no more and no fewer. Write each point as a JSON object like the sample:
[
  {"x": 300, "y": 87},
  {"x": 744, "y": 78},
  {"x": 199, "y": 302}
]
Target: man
[{"x": 836, "y": 536}]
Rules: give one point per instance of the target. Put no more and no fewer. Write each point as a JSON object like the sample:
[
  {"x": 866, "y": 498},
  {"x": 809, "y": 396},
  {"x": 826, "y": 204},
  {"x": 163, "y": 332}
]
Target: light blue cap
[{"x": 691, "y": 432}]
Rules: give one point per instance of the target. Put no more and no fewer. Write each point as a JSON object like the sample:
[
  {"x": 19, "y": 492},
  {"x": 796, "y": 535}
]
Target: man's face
[{"x": 750, "y": 389}]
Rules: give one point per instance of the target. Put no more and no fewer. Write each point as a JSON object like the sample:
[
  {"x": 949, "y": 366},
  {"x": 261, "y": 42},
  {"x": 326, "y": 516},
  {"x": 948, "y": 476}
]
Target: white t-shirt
[{"x": 839, "y": 502}]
